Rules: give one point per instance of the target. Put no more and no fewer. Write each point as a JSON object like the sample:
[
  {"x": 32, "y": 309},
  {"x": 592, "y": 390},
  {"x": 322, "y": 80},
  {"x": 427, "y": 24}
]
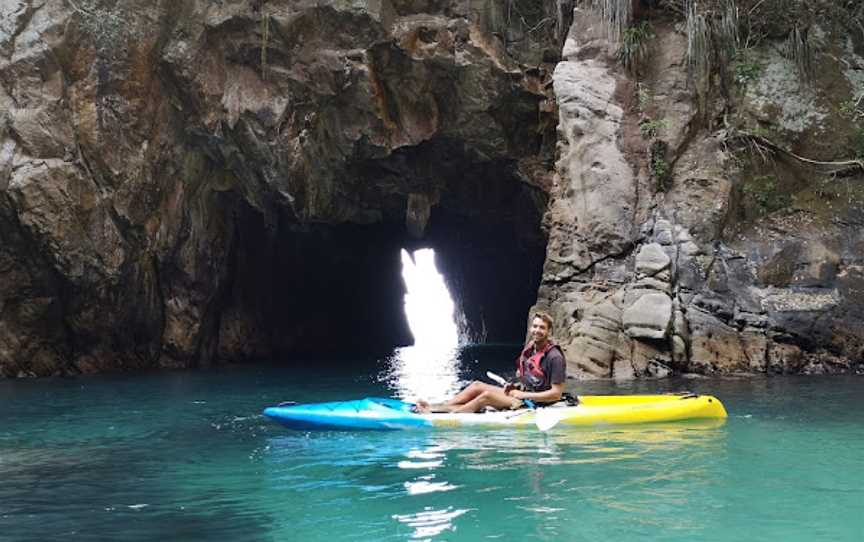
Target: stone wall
[
  {"x": 188, "y": 182},
  {"x": 726, "y": 259},
  {"x": 184, "y": 183}
]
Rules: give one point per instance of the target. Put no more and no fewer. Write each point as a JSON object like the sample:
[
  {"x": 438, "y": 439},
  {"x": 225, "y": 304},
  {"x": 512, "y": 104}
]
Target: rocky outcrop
[
  {"x": 184, "y": 183},
  {"x": 685, "y": 230},
  {"x": 187, "y": 182}
]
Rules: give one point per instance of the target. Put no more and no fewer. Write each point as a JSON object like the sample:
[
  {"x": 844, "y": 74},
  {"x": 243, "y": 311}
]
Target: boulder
[
  {"x": 649, "y": 317},
  {"x": 651, "y": 260}
]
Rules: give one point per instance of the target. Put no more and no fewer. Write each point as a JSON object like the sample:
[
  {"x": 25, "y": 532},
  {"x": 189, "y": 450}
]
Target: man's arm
[{"x": 549, "y": 396}]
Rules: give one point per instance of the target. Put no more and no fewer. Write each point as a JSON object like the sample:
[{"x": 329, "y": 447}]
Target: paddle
[
  {"x": 496, "y": 378},
  {"x": 544, "y": 418}
]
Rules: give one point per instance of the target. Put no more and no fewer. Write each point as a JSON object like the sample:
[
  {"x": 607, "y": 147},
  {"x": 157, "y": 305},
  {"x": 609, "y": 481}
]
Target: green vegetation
[
  {"x": 525, "y": 24},
  {"x": 858, "y": 143},
  {"x": 747, "y": 69},
  {"x": 616, "y": 16},
  {"x": 720, "y": 32},
  {"x": 766, "y": 194},
  {"x": 661, "y": 169},
  {"x": 770, "y": 132},
  {"x": 853, "y": 108},
  {"x": 799, "y": 50},
  {"x": 634, "y": 46},
  {"x": 643, "y": 96},
  {"x": 649, "y": 128},
  {"x": 713, "y": 36}
]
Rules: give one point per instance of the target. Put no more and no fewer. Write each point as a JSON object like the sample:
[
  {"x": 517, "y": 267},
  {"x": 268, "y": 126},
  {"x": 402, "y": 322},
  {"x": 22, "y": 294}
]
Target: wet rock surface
[
  {"x": 728, "y": 263},
  {"x": 183, "y": 183},
  {"x": 189, "y": 183}
]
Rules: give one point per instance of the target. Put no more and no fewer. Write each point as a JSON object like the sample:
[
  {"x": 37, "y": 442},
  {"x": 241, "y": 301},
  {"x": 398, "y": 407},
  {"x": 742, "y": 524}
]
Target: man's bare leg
[
  {"x": 463, "y": 398},
  {"x": 495, "y": 398},
  {"x": 471, "y": 392}
]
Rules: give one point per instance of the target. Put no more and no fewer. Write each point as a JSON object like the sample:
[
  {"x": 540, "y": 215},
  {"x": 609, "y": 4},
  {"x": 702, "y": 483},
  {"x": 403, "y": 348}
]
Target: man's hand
[{"x": 517, "y": 394}]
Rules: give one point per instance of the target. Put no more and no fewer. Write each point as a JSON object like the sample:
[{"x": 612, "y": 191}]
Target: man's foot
[{"x": 422, "y": 407}]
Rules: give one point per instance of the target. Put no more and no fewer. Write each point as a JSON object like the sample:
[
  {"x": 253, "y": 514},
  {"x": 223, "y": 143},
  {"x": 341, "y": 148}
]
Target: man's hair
[{"x": 546, "y": 317}]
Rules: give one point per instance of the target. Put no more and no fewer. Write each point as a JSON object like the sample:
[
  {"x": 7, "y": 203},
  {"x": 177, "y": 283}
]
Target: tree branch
[{"x": 837, "y": 166}]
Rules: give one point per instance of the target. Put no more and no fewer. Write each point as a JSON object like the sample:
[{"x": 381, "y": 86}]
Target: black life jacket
[{"x": 528, "y": 367}]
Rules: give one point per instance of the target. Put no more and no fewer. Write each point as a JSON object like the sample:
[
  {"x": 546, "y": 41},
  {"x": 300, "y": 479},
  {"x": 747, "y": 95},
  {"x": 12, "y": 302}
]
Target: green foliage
[
  {"x": 853, "y": 108},
  {"x": 767, "y": 132},
  {"x": 634, "y": 45},
  {"x": 661, "y": 169},
  {"x": 858, "y": 143},
  {"x": 766, "y": 194},
  {"x": 643, "y": 95},
  {"x": 712, "y": 37},
  {"x": 747, "y": 69},
  {"x": 649, "y": 128},
  {"x": 523, "y": 25},
  {"x": 615, "y": 15},
  {"x": 799, "y": 50}
]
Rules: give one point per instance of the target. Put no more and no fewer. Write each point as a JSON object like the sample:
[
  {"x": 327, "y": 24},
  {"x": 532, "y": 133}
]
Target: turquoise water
[{"x": 186, "y": 456}]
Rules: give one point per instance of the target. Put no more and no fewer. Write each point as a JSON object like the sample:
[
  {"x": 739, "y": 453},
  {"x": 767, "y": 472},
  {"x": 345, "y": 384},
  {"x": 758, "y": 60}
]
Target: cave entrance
[
  {"x": 428, "y": 305},
  {"x": 300, "y": 290},
  {"x": 429, "y": 368}
]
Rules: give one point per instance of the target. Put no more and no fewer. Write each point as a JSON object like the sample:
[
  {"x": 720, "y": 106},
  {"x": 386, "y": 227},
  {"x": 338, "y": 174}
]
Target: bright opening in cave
[
  {"x": 428, "y": 305},
  {"x": 428, "y": 368}
]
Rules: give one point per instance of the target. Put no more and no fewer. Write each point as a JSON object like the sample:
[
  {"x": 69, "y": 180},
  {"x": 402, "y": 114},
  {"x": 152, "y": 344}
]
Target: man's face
[{"x": 539, "y": 330}]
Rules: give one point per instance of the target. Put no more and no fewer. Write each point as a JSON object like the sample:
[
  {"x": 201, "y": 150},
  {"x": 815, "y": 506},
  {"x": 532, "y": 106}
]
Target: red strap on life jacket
[{"x": 531, "y": 362}]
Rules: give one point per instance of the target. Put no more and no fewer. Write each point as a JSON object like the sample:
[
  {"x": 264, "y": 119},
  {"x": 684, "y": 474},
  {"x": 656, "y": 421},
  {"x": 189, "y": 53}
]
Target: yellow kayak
[
  {"x": 597, "y": 410},
  {"x": 592, "y": 410}
]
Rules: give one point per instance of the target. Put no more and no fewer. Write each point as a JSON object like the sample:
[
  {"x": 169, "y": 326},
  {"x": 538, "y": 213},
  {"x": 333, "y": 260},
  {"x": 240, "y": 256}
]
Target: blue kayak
[{"x": 374, "y": 413}]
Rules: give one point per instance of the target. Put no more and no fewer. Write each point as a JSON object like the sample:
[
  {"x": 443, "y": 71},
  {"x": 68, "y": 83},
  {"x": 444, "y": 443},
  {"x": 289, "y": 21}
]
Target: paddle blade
[
  {"x": 496, "y": 378},
  {"x": 546, "y": 418}
]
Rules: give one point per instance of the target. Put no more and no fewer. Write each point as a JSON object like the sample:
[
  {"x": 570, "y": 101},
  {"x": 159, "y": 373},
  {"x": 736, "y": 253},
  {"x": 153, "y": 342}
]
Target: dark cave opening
[
  {"x": 492, "y": 274},
  {"x": 324, "y": 290}
]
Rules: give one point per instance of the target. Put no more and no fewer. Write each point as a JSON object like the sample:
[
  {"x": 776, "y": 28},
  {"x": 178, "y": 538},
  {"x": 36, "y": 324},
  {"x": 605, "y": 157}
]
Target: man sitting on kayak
[{"x": 541, "y": 369}]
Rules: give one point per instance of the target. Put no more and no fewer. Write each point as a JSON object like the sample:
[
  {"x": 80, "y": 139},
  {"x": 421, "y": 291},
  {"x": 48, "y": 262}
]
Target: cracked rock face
[
  {"x": 186, "y": 182},
  {"x": 183, "y": 183},
  {"x": 731, "y": 265}
]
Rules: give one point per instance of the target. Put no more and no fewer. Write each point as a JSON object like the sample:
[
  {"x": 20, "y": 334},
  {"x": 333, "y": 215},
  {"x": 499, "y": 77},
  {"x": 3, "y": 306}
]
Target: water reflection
[
  {"x": 465, "y": 482},
  {"x": 430, "y": 522},
  {"x": 425, "y": 484},
  {"x": 418, "y": 372}
]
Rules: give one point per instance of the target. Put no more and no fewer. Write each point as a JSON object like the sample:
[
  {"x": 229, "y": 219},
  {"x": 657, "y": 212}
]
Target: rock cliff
[
  {"x": 183, "y": 183},
  {"x": 707, "y": 206},
  {"x": 188, "y": 182}
]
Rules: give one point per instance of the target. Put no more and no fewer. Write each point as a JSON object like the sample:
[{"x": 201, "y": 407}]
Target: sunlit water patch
[{"x": 186, "y": 456}]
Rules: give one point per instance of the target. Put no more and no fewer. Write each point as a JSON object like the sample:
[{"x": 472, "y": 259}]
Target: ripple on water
[
  {"x": 430, "y": 522},
  {"x": 188, "y": 457}
]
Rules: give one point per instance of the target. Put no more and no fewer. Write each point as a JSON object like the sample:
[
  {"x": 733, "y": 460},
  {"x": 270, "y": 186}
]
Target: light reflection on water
[
  {"x": 524, "y": 471},
  {"x": 424, "y": 372},
  {"x": 186, "y": 456},
  {"x": 429, "y": 368},
  {"x": 430, "y": 522}
]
